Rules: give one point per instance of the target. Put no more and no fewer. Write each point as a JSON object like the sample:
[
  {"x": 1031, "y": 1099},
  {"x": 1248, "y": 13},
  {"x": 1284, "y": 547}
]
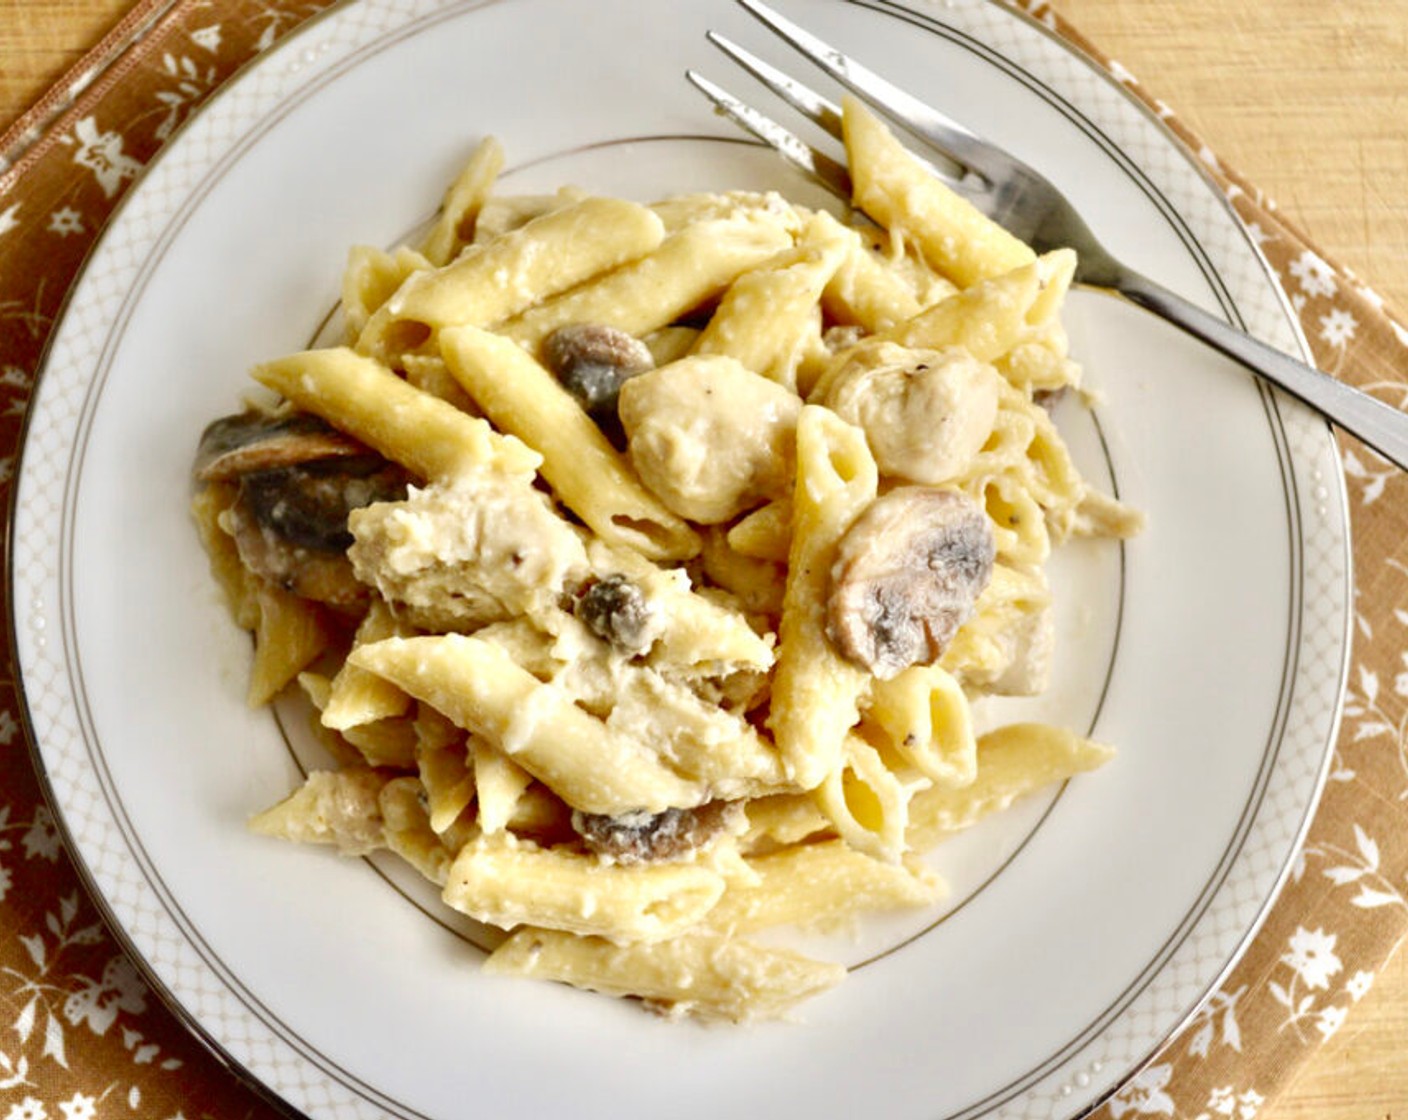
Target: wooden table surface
[{"x": 1308, "y": 99}]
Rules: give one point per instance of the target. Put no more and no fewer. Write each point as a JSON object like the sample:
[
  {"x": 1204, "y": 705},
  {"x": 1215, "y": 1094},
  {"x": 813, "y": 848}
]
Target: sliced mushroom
[
  {"x": 617, "y": 611},
  {"x": 647, "y": 837},
  {"x": 298, "y": 480},
  {"x": 906, "y": 577},
  {"x": 290, "y": 523},
  {"x": 237, "y": 445},
  {"x": 307, "y": 504},
  {"x": 592, "y": 362}
]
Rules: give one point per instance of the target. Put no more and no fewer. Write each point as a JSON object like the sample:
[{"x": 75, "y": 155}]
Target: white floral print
[
  {"x": 191, "y": 86},
  {"x": 96, "y": 1003},
  {"x": 1258, "y": 235},
  {"x": 65, "y": 221},
  {"x": 1378, "y": 719},
  {"x": 1312, "y": 956},
  {"x": 101, "y": 153},
  {"x": 1221, "y": 1007},
  {"x": 1359, "y": 984},
  {"x": 80, "y": 1106},
  {"x": 1331, "y": 1019},
  {"x": 1227, "y": 1101},
  {"x": 1313, "y": 963},
  {"x": 1361, "y": 868},
  {"x": 1120, "y": 73},
  {"x": 1315, "y": 276},
  {"x": 1145, "y": 1094},
  {"x": 42, "y": 838},
  {"x": 207, "y": 37},
  {"x": 1338, "y": 327}
]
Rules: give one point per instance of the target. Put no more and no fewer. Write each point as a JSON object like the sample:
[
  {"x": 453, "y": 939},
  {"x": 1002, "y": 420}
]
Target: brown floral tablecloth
[{"x": 82, "y": 1037}]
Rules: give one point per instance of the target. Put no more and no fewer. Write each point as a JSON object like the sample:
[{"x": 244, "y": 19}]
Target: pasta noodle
[
  {"x": 816, "y": 691},
  {"x": 894, "y": 188},
  {"x": 463, "y": 201}
]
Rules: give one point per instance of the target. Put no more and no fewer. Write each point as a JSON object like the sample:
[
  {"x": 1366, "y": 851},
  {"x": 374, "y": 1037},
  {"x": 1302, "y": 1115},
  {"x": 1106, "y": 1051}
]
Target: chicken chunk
[
  {"x": 710, "y": 437},
  {"x": 925, "y": 413}
]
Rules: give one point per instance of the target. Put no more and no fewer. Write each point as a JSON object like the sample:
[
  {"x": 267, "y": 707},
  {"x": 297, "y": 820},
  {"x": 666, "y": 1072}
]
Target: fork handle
[{"x": 1379, "y": 425}]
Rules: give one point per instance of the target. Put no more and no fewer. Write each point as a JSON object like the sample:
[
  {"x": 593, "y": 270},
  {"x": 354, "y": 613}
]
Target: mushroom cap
[
  {"x": 907, "y": 575},
  {"x": 307, "y": 504},
  {"x": 617, "y": 611},
  {"x": 253, "y": 441},
  {"x": 298, "y": 479},
  {"x": 649, "y": 837},
  {"x": 593, "y": 361}
]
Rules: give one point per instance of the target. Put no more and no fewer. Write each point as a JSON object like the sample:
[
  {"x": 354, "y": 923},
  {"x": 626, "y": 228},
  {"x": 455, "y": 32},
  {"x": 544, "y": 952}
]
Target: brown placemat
[{"x": 81, "y": 1035}]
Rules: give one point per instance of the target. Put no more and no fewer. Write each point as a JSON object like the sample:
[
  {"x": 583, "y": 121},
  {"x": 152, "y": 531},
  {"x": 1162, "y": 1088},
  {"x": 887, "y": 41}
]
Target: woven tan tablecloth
[{"x": 81, "y": 1036}]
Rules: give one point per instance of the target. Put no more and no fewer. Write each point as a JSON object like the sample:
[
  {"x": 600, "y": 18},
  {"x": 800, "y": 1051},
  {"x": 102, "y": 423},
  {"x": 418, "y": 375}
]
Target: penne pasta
[
  {"x": 768, "y": 313},
  {"x": 705, "y": 975},
  {"x": 892, "y": 187},
  {"x": 1013, "y": 761},
  {"x": 823, "y": 885},
  {"x": 816, "y": 692},
  {"x": 867, "y": 802},
  {"x": 688, "y": 269},
  {"x": 454, "y": 224},
  {"x": 507, "y": 883}
]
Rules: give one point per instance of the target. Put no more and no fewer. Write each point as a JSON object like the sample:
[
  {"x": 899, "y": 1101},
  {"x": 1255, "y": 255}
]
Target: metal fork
[{"x": 1024, "y": 202}]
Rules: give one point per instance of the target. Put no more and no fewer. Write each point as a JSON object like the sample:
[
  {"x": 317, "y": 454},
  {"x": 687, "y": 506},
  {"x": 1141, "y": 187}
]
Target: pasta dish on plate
[{"x": 642, "y": 563}]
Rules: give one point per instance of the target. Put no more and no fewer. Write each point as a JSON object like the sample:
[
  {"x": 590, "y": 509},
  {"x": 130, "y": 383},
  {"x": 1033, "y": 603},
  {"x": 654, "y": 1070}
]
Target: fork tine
[
  {"x": 814, "y": 106},
  {"x": 926, "y": 122},
  {"x": 805, "y": 100},
  {"x": 821, "y": 167}
]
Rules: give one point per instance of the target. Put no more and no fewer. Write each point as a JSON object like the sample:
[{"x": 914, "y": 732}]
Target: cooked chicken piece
[
  {"x": 456, "y": 557},
  {"x": 710, "y": 437},
  {"x": 925, "y": 413}
]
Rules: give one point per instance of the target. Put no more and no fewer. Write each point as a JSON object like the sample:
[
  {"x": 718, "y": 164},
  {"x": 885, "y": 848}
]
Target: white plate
[{"x": 1084, "y": 927}]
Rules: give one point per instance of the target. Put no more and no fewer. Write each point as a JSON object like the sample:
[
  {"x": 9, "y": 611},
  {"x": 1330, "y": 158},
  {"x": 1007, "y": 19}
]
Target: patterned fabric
[{"x": 81, "y": 1036}]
